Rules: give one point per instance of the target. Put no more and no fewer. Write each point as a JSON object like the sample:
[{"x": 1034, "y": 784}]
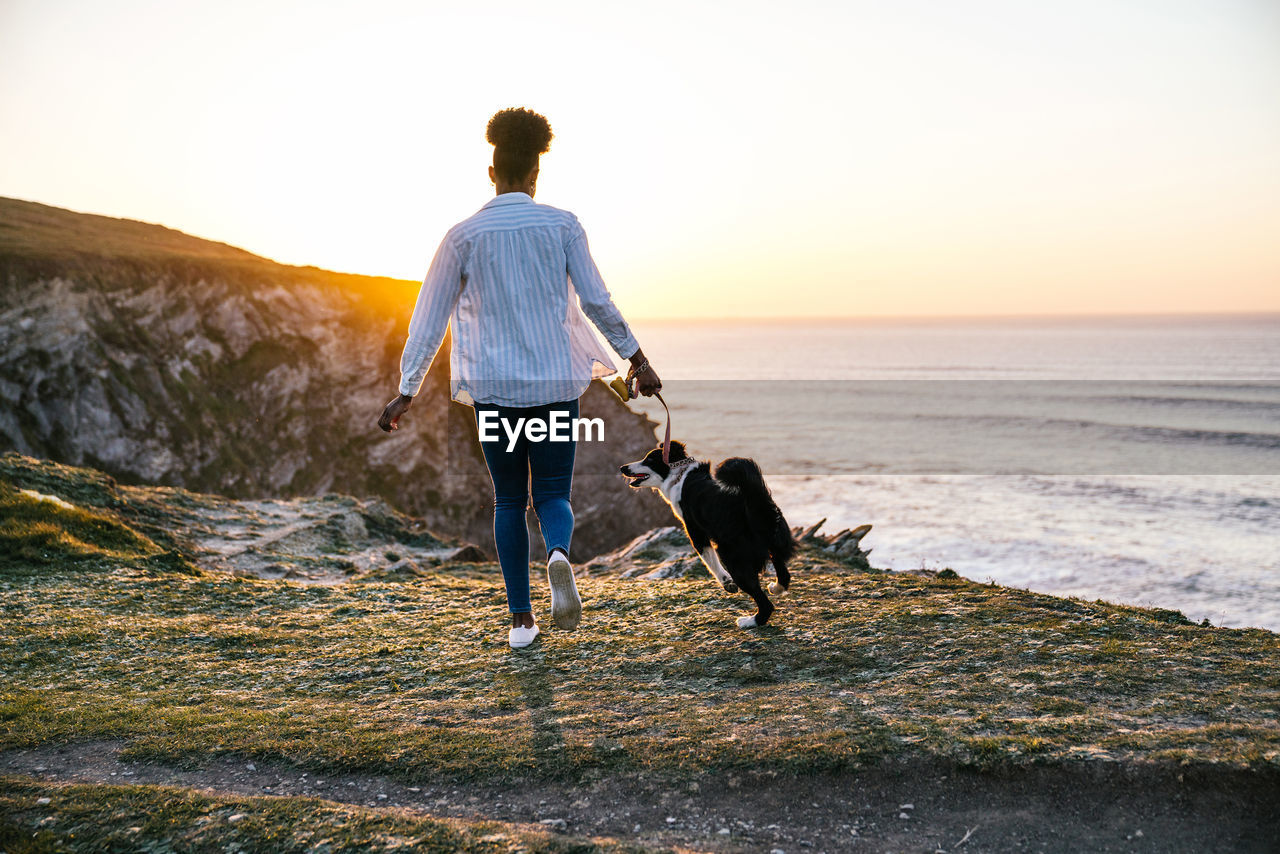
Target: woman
[{"x": 506, "y": 278}]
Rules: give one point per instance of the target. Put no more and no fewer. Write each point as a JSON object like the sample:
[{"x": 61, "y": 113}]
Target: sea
[{"x": 1132, "y": 459}]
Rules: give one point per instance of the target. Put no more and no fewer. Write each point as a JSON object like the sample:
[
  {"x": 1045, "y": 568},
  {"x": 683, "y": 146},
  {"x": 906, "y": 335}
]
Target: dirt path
[{"x": 895, "y": 808}]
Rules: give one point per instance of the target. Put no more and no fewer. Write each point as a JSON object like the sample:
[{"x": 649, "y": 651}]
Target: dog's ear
[{"x": 677, "y": 450}]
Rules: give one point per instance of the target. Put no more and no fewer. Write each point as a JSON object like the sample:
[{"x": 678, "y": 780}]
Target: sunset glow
[{"x": 744, "y": 159}]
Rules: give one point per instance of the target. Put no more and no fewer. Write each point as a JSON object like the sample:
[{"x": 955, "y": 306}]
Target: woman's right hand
[
  {"x": 648, "y": 383},
  {"x": 390, "y": 419}
]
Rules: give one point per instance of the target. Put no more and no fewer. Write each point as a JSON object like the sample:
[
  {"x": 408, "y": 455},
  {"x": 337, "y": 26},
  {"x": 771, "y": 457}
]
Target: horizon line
[
  {"x": 1076, "y": 315},
  {"x": 1266, "y": 314}
]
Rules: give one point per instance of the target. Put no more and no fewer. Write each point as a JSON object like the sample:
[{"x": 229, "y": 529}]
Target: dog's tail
[{"x": 744, "y": 475}]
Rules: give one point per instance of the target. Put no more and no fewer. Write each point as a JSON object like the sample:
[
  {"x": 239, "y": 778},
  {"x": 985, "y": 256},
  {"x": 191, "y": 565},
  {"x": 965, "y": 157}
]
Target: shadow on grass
[{"x": 529, "y": 684}]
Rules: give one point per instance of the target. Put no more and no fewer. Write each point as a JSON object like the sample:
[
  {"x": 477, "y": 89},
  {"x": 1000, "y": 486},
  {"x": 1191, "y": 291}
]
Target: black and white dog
[{"x": 731, "y": 509}]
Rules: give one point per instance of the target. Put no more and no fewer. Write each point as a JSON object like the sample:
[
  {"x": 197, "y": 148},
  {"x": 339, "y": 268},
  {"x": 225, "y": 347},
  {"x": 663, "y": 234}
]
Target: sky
[{"x": 737, "y": 159}]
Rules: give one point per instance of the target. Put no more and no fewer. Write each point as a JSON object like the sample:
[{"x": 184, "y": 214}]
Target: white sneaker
[
  {"x": 566, "y": 605},
  {"x": 519, "y": 637}
]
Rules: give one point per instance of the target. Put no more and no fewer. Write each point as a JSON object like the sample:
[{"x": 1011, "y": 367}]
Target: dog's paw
[
  {"x": 730, "y": 587},
  {"x": 777, "y": 589},
  {"x": 747, "y": 622}
]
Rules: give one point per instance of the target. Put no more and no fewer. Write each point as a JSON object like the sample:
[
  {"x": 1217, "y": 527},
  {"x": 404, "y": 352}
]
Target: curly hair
[{"x": 518, "y": 135}]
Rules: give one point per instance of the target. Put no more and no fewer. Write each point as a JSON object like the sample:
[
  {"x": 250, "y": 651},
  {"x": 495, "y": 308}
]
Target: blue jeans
[{"x": 551, "y": 467}]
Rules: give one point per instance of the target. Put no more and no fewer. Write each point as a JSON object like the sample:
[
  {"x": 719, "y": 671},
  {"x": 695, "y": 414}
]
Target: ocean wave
[{"x": 1211, "y": 404}]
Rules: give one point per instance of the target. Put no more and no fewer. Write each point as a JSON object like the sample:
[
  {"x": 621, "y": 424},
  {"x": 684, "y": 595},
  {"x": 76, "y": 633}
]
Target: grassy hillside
[
  {"x": 415, "y": 678},
  {"x": 102, "y": 640},
  {"x": 35, "y": 229},
  {"x": 39, "y": 240}
]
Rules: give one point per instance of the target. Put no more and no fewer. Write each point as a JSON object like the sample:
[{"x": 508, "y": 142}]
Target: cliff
[{"x": 162, "y": 358}]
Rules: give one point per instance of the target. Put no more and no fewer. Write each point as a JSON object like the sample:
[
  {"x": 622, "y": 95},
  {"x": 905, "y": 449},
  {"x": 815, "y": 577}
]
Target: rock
[
  {"x": 848, "y": 542},
  {"x": 661, "y": 553},
  {"x": 845, "y": 545},
  {"x": 404, "y": 566},
  {"x": 468, "y": 554},
  {"x": 812, "y": 529}
]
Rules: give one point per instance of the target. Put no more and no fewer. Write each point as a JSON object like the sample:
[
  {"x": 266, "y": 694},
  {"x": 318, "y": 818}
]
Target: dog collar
[{"x": 686, "y": 463}]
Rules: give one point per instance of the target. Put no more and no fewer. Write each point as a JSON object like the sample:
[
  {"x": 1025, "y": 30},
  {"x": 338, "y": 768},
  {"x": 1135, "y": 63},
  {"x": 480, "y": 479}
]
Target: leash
[
  {"x": 629, "y": 392},
  {"x": 666, "y": 438}
]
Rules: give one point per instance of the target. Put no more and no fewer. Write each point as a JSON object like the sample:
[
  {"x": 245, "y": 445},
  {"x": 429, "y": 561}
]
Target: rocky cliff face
[{"x": 164, "y": 359}]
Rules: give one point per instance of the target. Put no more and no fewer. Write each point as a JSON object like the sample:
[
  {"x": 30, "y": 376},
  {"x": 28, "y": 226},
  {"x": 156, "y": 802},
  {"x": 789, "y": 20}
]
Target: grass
[
  {"x": 37, "y": 533},
  {"x": 162, "y": 818},
  {"x": 106, "y": 253},
  {"x": 100, "y": 638},
  {"x": 37, "y": 530},
  {"x": 415, "y": 679}
]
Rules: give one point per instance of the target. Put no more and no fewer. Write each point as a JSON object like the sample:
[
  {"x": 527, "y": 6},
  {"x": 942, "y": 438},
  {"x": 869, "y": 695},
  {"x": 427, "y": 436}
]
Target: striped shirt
[{"x": 506, "y": 279}]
